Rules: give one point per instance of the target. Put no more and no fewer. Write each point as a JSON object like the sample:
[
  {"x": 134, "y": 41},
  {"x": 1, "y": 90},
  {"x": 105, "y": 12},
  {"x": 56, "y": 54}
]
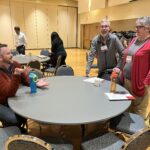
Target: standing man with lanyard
[
  {"x": 106, "y": 46},
  {"x": 20, "y": 40}
]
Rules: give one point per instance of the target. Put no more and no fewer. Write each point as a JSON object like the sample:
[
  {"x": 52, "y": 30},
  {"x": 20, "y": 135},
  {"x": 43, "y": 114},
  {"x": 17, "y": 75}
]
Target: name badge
[
  {"x": 104, "y": 48},
  {"x": 129, "y": 59}
]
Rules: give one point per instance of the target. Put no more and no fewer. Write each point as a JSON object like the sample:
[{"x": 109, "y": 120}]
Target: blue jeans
[{"x": 9, "y": 118}]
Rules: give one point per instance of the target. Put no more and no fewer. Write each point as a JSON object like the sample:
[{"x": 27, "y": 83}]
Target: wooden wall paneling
[
  {"x": 42, "y": 26},
  {"x": 94, "y": 30},
  {"x": 52, "y": 21},
  {"x": 6, "y": 35},
  {"x": 63, "y": 24},
  {"x": 72, "y": 27},
  {"x": 30, "y": 25},
  {"x": 17, "y": 17},
  {"x": 86, "y": 36},
  {"x": 123, "y": 25}
]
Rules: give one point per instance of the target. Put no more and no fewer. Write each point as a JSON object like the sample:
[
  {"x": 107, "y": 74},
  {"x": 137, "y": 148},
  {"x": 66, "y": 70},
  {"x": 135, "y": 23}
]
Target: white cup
[{"x": 97, "y": 82}]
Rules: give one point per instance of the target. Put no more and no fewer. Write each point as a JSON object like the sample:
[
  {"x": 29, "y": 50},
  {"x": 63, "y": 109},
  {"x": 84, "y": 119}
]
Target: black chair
[
  {"x": 58, "y": 143},
  {"x": 64, "y": 70},
  {"x": 37, "y": 72},
  {"x": 34, "y": 64},
  {"x": 5, "y": 133},
  {"x": 128, "y": 123},
  {"x": 138, "y": 141},
  {"x": 27, "y": 142},
  {"x": 45, "y": 52},
  {"x": 52, "y": 70},
  {"x": 107, "y": 141},
  {"x": 14, "y": 52}
]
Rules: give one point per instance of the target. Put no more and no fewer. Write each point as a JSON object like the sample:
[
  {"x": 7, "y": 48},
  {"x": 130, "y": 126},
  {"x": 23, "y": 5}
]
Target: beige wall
[
  {"x": 121, "y": 12},
  {"x": 37, "y": 19}
]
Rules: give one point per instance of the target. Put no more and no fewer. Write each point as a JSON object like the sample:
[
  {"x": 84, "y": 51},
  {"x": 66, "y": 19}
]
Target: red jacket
[
  {"x": 9, "y": 82},
  {"x": 140, "y": 74}
]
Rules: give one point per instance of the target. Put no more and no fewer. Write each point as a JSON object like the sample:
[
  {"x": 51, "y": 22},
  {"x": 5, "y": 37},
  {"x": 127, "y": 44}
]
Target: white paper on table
[
  {"x": 92, "y": 80},
  {"x": 117, "y": 96}
]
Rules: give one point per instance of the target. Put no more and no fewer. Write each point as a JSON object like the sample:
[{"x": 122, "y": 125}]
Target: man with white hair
[{"x": 106, "y": 46}]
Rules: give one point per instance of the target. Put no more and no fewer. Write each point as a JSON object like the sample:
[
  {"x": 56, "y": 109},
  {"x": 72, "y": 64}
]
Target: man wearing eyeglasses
[{"x": 107, "y": 46}]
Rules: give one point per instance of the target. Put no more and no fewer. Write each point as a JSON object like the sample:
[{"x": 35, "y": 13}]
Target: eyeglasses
[
  {"x": 104, "y": 26},
  {"x": 139, "y": 27}
]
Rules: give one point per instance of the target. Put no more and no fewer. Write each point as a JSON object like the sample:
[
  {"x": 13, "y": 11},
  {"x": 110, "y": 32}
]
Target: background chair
[
  {"x": 52, "y": 70},
  {"x": 64, "y": 70},
  {"x": 58, "y": 143},
  {"x": 106, "y": 141},
  {"x": 128, "y": 123},
  {"x": 34, "y": 64},
  {"x": 37, "y": 72},
  {"x": 5, "y": 133},
  {"x": 94, "y": 66},
  {"x": 26, "y": 142},
  {"x": 138, "y": 141},
  {"x": 14, "y": 52},
  {"x": 45, "y": 52}
]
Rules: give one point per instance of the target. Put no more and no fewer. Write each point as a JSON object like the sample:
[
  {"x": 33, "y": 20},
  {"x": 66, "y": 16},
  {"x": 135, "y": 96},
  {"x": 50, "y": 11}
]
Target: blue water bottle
[{"x": 33, "y": 78}]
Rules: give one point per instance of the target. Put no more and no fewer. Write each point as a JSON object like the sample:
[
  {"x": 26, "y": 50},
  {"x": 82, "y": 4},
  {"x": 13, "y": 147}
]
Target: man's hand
[
  {"x": 117, "y": 70},
  {"x": 20, "y": 70},
  {"x": 87, "y": 75},
  {"x": 41, "y": 83},
  {"x": 27, "y": 69}
]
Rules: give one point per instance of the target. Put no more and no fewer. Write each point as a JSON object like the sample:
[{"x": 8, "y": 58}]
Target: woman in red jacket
[{"x": 136, "y": 69}]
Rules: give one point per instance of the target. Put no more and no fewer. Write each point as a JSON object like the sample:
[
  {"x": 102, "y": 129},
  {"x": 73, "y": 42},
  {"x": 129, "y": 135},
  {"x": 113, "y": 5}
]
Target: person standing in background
[
  {"x": 57, "y": 49},
  {"x": 20, "y": 41},
  {"x": 106, "y": 45}
]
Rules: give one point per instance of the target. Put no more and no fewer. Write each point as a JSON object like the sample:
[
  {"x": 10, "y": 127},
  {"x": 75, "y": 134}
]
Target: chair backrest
[
  {"x": 138, "y": 141},
  {"x": 26, "y": 142},
  {"x": 5, "y": 133},
  {"x": 44, "y": 52},
  {"x": 37, "y": 72},
  {"x": 34, "y": 64},
  {"x": 14, "y": 52},
  {"x": 58, "y": 62},
  {"x": 64, "y": 70}
]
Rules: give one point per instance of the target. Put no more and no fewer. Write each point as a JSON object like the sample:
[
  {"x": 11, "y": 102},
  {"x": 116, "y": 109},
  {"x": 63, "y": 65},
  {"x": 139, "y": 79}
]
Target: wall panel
[
  {"x": 52, "y": 21},
  {"x": 30, "y": 25},
  {"x": 63, "y": 24},
  {"x": 42, "y": 26},
  {"x": 17, "y": 17},
  {"x": 72, "y": 27},
  {"x": 5, "y": 24}
]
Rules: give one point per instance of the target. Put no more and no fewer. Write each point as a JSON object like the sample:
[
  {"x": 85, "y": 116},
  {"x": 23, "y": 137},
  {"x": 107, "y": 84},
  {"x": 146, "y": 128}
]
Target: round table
[
  {"x": 25, "y": 59},
  {"x": 68, "y": 100}
]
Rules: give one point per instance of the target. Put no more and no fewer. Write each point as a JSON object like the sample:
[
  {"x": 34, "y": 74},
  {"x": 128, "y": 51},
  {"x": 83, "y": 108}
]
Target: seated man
[{"x": 11, "y": 75}]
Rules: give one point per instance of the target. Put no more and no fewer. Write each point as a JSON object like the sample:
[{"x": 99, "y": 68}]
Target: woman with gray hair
[{"x": 135, "y": 72}]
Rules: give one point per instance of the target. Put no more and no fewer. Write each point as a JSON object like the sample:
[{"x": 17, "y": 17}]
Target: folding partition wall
[{"x": 37, "y": 21}]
